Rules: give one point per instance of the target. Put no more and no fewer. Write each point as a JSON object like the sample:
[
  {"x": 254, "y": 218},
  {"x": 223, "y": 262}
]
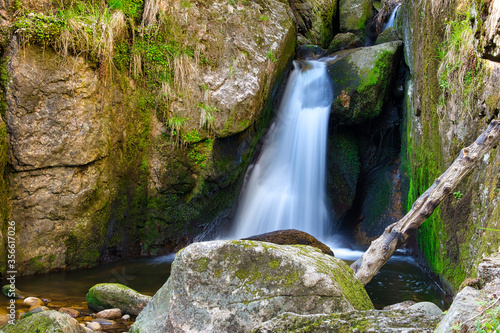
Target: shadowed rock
[{"x": 291, "y": 237}]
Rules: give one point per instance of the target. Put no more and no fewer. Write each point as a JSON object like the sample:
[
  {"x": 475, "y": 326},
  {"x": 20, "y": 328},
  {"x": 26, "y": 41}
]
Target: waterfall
[
  {"x": 390, "y": 22},
  {"x": 286, "y": 187}
]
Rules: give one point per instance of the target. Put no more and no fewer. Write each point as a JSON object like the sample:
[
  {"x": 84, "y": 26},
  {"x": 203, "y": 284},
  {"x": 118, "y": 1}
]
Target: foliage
[{"x": 458, "y": 195}]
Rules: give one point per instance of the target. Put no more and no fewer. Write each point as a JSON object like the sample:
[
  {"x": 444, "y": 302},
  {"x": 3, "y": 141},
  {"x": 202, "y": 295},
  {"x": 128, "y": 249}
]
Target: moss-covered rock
[
  {"x": 361, "y": 82},
  {"x": 224, "y": 286},
  {"x": 343, "y": 170},
  {"x": 353, "y": 16},
  {"x": 314, "y": 20},
  {"x": 45, "y": 322},
  {"x": 114, "y": 295},
  {"x": 353, "y": 321},
  {"x": 388, "y": 35},
  {"x": 343, "y": 41}
]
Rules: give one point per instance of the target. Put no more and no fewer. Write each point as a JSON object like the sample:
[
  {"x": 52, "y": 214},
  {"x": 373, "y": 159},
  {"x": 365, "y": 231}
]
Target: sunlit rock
[{"x": 223, "y": 286}]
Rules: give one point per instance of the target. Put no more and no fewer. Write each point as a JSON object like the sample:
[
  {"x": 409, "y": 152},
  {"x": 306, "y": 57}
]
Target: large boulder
[
  {"x": 45, "y": 322},
  {"x": 291, "y": 237},
  {"x": 388, "y": 35},
  {"x": 223, "y": 286},
  {"x": 361, "y": 82},
  {"x": 314, "y": 20},
  {"x": 354, "y": 14},
  {"x": 355, "y": 321},
  {"x": 343, "y": 41},
  {"x": 114, "y": 295}
]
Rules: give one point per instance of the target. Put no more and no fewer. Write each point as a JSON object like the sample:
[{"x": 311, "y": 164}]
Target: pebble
[
  {"x": 72, "y": 312},
  {"x": 33, "y": 302},
  {"x": 126, "y": 317},
  {"x": 38, "y": 309},
  {"x": 88, "y": 318},
  {"x": 94, "y": 326},
  {"x": 109, "y": 314}
]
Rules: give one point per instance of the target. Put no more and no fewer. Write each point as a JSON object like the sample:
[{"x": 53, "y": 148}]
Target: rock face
[
  {"x": 446, "y": 108},
  {"x": 96, "y": 168},
  {"x": 353, "y": 15},
  {"x": 45, "y": 322},
  {"x": 388, "y": 35},
  {"x": 314, "y": 20},
  {"x": 354, "y": 321},
  {"x": 223, "y": 286},
  {"x": 105, "y": 296},
  {"x": 361, "y": 82},
  {"x": 291, "y": 237}
]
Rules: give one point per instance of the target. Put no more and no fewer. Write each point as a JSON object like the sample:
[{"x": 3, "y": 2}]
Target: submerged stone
[
  {"x": 45, "y": 322},
  {"x": 291, "y": 237},
  {"x": 361, "y": 82},
  {"x": 114, "y": 295},
  {"x": 223, "y": 286}
]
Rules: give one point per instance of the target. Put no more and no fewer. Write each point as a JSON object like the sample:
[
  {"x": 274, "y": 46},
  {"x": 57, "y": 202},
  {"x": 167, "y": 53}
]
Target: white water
[
  {"x": 390, "y": 22},
  {"x": 286, "y": 187}
]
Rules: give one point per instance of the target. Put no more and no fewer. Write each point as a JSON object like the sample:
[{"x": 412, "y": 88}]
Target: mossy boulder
[
  {"x": 114, "y": 295},
  {"x": 314, "y": 20},
  {"x": 388, "y": 35},
  {"x": 353, "y": 15},
  {"x": 343, "y": 170},
  {"x": 309, "y": 52},
  {"x": 343, "y": 41},
  {"x": 354, "y": 321},
  {"x": 361, "y": 82},
  {"x": 224, "y": 286},
  {"x": 45, "y": 322}
]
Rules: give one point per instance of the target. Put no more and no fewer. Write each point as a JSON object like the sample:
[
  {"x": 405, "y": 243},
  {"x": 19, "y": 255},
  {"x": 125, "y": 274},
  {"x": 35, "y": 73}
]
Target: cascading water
[
  {"x": 390, "y": 22},
  {"x": 286, "y": 187}
]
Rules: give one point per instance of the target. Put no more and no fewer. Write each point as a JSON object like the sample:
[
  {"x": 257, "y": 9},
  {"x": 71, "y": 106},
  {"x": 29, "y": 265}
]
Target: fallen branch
[{"x": 397, "y": 233}]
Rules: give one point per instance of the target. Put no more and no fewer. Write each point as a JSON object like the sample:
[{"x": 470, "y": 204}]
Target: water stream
[
  {"x": 390, "y": 22},
  {"x": 286, "y": 187}
]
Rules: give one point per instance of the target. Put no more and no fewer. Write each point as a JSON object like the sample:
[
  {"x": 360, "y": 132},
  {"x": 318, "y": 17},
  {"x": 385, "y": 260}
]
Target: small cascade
[
  {"x": 390, "y": 22},
  {"x": 286, "y": 187}
]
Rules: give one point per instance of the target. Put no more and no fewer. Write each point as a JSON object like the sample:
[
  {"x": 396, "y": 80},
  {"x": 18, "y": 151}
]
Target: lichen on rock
[{"x": 233, "y": 285}]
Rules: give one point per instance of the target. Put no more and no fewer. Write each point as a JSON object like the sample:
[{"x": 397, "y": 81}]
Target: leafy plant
[
  {"x": 175, "y": 123},
  {"x": 458, "y": 195},
  {"x": 270, "y": 55}
]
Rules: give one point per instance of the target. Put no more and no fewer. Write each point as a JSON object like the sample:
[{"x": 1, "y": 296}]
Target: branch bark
[{"x": 395, "y": 235}]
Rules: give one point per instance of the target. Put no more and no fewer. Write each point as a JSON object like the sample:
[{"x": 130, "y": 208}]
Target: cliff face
[
  {"x": 125, "y": 127},
  {"x": 452, "y": 94}
]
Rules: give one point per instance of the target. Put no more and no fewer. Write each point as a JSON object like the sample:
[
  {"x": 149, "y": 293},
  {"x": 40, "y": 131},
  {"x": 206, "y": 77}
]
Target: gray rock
[
  {"x": 109, "y": 314},
  {"x": 465, "y": 305},
  {"x": 114, "y": 295},
  {"x": 353, "y": 321},
  {"x": 361, "y": 82},
  {"x": 223, "y": 286},
  {"x": 399, "y": 306},
  {"x": 94, "y": 326},
  {"x": 38, "y": 309},
  {"x": 427, "y": 308},
  {"x": 45, "y": 322}
]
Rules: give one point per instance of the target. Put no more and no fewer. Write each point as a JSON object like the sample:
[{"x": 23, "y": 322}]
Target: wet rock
[
  {"x": 109, "y": 314},
  {"x": 353, "y": 15},
  {"x": 399, "y": 306},
  {"x": 343, "y": 41},
  {"x": 33, "y": 302},
  {"x": 126, "y": 317},
  {"x": 104, "y": 322},
  {"x": 36, "y": 309},
  {"x": 362, "y": 81},
  {"x": 309, "y": 52},
  {"x": 72, "y": 312},
  {"x": 114, "y": 295},
  {"x": 12, "y": 293},
  {"x": 427, "y": 308},
  {"x": 94, "y": 326},
  {"x": 388, "y": 35},
  {"x": 254, "y": 282},
  {"x": 489, "y": 39},
  {"x": 343, "y": 169},
  {"x": 353, "y": 321},
  {"x": 45, "y": 322},
  {"x": 291, "y": 237},
  {"x": 314, "y": 20}
]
